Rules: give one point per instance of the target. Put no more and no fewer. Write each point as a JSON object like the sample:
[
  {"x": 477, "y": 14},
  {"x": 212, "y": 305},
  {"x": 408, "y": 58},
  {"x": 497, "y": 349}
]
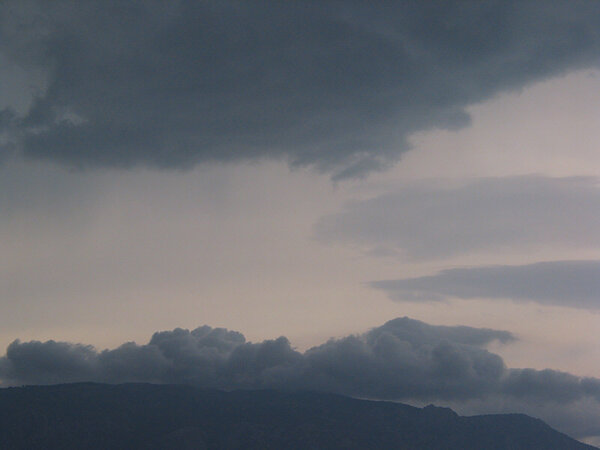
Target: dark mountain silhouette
[{"x": 145, "y": 416}]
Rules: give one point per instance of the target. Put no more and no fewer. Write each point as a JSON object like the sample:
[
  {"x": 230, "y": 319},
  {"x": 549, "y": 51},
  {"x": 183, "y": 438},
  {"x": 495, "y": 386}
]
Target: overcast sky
[{"x": 308, "y": 170}]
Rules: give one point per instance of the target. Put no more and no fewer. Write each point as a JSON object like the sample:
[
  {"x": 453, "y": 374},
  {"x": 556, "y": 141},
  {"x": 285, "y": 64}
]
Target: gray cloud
[
  {"x": 564, "y": 283},
  {"x": 404, "y": 359},
  {"x": 335, "y": 85},
  {"x": 426, "y": 221}
]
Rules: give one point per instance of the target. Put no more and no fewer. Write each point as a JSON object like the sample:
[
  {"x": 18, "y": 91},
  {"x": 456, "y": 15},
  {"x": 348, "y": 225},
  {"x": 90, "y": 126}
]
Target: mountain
[{"x": 146, "y": 416}]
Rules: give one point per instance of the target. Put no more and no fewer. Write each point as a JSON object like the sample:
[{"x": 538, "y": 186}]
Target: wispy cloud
[
  {"x": 561, "y": 283},
  {"x": 424, "y": 222}
]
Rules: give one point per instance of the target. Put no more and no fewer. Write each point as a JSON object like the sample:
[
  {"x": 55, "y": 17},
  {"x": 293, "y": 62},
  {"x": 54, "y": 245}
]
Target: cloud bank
[
  {"x": 561, "y": 283},
  {"x": 404, "y": 359},
  {"x": 426, "y": 222},
  {"x": 334, "y": 85}
]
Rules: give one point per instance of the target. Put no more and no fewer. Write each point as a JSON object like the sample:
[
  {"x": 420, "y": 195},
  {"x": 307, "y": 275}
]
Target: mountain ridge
[{"x": 149, "y": 416}]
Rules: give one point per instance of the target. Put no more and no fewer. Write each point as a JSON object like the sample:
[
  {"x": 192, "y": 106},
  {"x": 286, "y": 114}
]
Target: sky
[{"x": 398, "y": 201}]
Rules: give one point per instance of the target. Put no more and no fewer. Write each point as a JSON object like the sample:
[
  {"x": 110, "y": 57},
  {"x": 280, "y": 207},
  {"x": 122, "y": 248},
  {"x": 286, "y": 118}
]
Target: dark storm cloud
[
  {"x": 427, "y": 221},
  {"x": 59, "y": 362},
  {"x": 564, "y": 283},
  {"x": 335, "y": 85},
  {"x": 404, "y": 359}
]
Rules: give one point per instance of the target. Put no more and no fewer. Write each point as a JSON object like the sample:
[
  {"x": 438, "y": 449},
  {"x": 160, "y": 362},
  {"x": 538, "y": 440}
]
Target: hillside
[{"x": 145, "y": 416}]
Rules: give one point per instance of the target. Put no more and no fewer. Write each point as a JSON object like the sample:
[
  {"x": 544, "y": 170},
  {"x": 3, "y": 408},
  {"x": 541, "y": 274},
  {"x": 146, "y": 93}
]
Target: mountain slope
[{"x": 130, "y": 416}]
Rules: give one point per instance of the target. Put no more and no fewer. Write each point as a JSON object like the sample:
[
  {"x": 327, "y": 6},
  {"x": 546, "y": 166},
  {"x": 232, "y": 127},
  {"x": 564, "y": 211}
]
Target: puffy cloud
[
  {"x": 48, "y": 362},
  {"x": 432, "y": 221},
  {"x": 403, "y": 359},
  {"x": 335, "y": 85},
  {"x": 563, "y": 283}
]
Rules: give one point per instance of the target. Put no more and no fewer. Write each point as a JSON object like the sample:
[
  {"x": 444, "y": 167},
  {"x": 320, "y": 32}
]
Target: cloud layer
[
  {"x": 335, "y": 85},
  {"x": 402, "y": 360},
  {"x": 563, "y": 283},
  {"x": 424, "y": 222}
]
